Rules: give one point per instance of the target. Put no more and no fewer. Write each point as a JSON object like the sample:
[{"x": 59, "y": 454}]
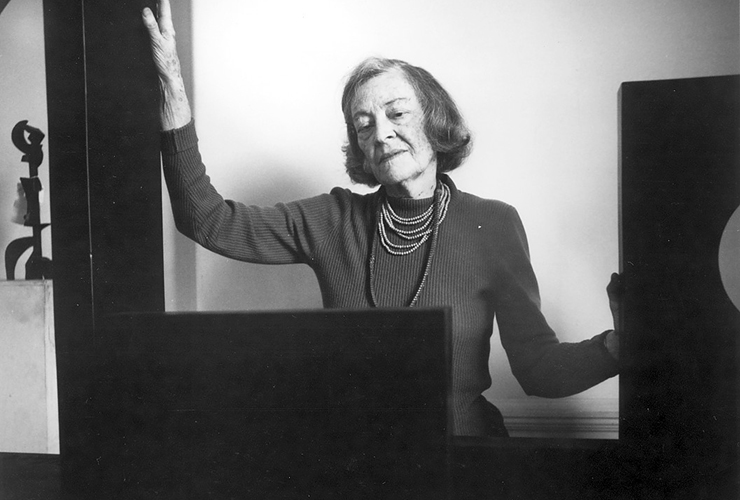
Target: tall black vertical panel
[
  {"x": 680, "y": 183},
  {"x": 105, "y": 192},
  {"x": 123, "y": 160}
]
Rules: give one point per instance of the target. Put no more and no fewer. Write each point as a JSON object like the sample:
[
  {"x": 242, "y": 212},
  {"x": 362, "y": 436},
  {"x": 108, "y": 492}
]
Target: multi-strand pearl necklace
[
  {"x": 416, "y": 230},
  {"x": 427, "y": 227}
]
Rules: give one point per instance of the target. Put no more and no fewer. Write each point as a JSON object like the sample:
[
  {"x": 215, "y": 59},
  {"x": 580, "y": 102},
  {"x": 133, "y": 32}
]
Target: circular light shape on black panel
[{"x": 729, "y": 258}]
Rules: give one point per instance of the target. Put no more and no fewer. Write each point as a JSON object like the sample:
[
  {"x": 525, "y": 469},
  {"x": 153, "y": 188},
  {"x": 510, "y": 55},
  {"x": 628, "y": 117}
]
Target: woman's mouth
[{"x": 391, "y": 155}]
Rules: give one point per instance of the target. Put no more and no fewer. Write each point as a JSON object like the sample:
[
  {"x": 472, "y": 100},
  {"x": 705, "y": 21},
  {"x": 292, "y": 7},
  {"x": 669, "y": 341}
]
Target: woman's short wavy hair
[{"x": 443, "y": 124}]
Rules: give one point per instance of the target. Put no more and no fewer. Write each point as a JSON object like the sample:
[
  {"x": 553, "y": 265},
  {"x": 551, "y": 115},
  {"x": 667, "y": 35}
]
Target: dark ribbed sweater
[{"x": 481, "y": 269}]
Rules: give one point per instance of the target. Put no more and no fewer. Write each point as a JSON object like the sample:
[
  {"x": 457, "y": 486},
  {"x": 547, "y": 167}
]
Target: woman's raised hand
[
  {"x": 174, "y": 106},
  {"x": 615, "y": 291}
]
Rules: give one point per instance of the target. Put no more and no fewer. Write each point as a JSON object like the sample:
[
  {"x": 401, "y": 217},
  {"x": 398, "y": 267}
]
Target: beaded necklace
[
  {"x": 420, "y": 227},
  {"x": 427, "y": 226}
]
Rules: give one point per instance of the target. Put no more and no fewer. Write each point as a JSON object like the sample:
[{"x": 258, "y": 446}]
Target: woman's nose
[{"x": 384, "y": 129}]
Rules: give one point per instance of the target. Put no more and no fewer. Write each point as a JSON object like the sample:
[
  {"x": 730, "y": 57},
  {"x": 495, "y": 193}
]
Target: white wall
[
  {"x": 22, "y": 97},
  {"x": 537, "y": 81}
]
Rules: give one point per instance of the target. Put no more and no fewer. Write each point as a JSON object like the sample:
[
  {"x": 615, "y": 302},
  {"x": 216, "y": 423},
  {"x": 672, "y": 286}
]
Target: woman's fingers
[
  {"x": 615, "y": 291},
  {"x": 151, "y": 24},
  {"x": 162, "y": 37},
  {"x": 164, "y": 19},
  {"x": 614, "y": 288},
  {"x": 174, "y": 108},
  {"x": 160, "y": 26}
]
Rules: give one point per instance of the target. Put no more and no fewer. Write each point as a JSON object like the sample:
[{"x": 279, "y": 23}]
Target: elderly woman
[{"x": 416, "y": 241}]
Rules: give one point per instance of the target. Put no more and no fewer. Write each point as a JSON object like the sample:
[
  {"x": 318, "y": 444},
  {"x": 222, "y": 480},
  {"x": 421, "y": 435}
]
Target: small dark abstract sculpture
[{"x": 37, "y": 267}]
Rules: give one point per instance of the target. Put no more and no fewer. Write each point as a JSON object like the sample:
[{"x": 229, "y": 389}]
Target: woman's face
[{"x": 389, "y": 120}]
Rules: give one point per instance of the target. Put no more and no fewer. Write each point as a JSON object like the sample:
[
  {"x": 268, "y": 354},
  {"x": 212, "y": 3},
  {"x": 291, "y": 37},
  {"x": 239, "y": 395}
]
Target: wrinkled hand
[
  {"x": 162, "y": 38},
  {"x": 615, "y": 291},
  {"x": 175, "y": 108}
]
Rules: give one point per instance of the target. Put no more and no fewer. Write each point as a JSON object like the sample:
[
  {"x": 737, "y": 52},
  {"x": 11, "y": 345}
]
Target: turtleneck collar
[{"x": 408, "y": 207}]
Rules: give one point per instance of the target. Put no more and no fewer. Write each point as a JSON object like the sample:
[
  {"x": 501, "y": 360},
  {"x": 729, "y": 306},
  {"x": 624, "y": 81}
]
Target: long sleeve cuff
[{"x": 179, "y": 139}]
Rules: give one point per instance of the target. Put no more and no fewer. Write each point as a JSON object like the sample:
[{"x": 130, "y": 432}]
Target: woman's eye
[{"x": 363, "y": 129}]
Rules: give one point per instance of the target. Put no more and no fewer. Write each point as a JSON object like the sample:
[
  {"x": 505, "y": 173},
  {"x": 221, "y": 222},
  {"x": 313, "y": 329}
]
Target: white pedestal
[{"x": 29, "y": 421}]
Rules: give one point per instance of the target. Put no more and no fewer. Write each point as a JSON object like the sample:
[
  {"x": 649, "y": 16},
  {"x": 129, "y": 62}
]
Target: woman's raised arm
[{"x": 174, "y": 106}]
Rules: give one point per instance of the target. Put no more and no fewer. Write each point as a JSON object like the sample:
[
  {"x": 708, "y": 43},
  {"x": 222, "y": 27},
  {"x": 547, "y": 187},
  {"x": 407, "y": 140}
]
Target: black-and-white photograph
[{"x": 341, "y": 249}]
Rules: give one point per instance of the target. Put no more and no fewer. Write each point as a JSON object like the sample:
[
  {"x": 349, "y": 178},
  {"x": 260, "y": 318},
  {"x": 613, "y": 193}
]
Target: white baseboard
[{"x": 561, "y": 418}]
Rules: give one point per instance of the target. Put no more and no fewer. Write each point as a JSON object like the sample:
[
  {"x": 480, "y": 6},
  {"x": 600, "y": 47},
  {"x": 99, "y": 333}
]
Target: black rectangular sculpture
[
  {"x": 680, "y": 185},
  {"x": 321, "y": 404}
]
